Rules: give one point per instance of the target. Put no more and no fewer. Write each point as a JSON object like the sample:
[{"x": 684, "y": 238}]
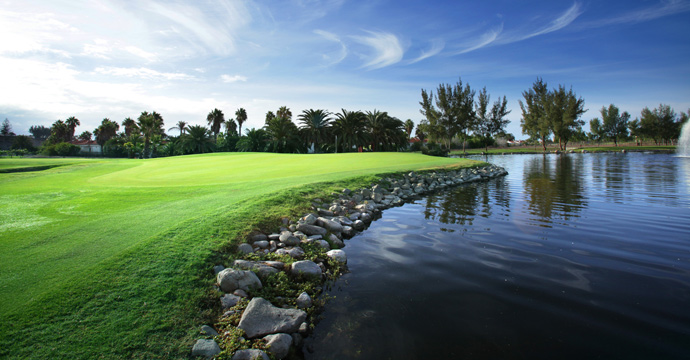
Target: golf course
[{"x": 112, "y": 258}]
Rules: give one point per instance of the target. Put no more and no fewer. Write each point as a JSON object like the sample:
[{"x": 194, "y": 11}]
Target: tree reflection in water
[
  {"x": 461, "y": 205},
  {"x": 553, "y": 188}
]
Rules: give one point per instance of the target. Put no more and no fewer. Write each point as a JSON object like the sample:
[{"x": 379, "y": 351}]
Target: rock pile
[{"x": 349, "y": 212}]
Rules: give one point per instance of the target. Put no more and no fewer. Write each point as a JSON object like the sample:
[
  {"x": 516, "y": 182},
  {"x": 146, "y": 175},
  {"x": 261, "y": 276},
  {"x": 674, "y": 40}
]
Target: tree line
[
  {"x": 453, "y": 114},
  {"x": 556, "y": 113},
  {"x": 458, "y": 110},
  {"x": 316, "y": 130}
]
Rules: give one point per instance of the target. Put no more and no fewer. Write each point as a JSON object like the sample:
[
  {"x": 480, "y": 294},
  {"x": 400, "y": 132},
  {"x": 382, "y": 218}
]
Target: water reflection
[
  {"x": 553, "y": 188},
  {"x": 575, "y": 257},
  {"x": 461, "y": 205}
]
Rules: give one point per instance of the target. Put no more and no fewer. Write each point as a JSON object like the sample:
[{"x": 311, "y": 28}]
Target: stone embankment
[{"x": 311, "y": 246}]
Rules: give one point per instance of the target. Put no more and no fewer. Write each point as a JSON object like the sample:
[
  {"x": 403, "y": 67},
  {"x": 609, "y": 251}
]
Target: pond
[{"x": 569, "y": 257}]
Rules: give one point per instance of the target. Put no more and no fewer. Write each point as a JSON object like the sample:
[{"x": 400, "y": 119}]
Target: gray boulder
[
  {"x": 306, "y": 269},
  {"x": 303, "y": 301},
  {"x": 245, "y": 248},
  {"x": 335, "y": 241},
  {"x": 296, "y": 252},
  {"x": 261, "y": 318},
  {"x": 312, "y": 229},
  {"x": 261, "y": 268},
  {"x": 309, "y": 219},
  {"x": 348, "y": 231},
  {"x": 229, "y": 300},
  {"x": 250, "y": 354},
  {"x": 259, "y": 237},
  {"x": 278, "y": 345},
  {"x": 337, "y": 255},
  {"x": 324, "y": 244},
  {"x": 217, "y": 269},
  {"x": 207, "y": 348},
  {"x": 230, "y": 280},
  {"x": 330, "y": 225},
  {"x": 262, "y": 244},
  {"x": 358, "y": 225},
  {"x": 207, "y": 330}
]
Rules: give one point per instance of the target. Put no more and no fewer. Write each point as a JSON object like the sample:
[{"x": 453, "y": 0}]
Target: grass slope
[{"x": 112, "y": 258}]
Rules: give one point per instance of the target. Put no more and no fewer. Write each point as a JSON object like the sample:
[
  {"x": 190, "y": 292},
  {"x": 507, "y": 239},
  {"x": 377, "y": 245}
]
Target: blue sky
[{"x": 109, "y": 58}]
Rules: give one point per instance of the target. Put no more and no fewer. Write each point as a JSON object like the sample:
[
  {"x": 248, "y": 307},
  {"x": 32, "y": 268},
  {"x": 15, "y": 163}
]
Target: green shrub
[
  {"x": 434, "y": 149},
  {"x": 60, "y": 149},
  {"x": 23, "y": 142}
]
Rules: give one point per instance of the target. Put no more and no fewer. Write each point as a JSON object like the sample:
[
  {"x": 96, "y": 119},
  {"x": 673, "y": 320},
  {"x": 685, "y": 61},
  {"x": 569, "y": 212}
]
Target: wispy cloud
[
  {"x": 232, "y": 78},
  {"x": 559, "y": 23},
  {"x": 486, "y": 39},
  {"x": 341, "y": 54},
  {"x": 386, "y": 49},
  {"x": 142, "y": 73},
  {"x": 141, "y": 53},
  {"x": 437, "y": 46},
  {"x": 662, "y": 9},
  {"x": 215, "y": 30},
  {"x": 24, "y": 32}
]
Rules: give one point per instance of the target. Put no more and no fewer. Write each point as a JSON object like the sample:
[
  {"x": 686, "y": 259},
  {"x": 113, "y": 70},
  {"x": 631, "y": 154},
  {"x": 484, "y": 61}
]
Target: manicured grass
[
  {"x": 539, "y": 149},
  {"x": 112, "y": 257}
]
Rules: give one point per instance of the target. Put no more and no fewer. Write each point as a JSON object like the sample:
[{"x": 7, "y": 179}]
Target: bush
[
  {"x": 434, "y": 149},
  {"x": 61, "y": 149},
  {"x": 23, "y": 142},
  {"x": 416, "y": 146}
]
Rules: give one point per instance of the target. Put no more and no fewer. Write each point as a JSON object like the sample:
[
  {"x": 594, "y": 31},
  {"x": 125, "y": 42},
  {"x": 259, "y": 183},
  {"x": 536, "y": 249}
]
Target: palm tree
[
  {"x": 315, "y": 125},
  {"x": 160, "y": 129},
  {"x": 241, "y": 117},
  {"x": 254, "y": 140},
  {"x": 59, "y": 132},
  {"x": 284, "y": 112},
  {"x": 181, "y": 126},
  {"x": 215, "y": 118},
  {"x": 133, "y": 145},
  {"x": 230, "y": 127},
  {"x": 106, "y": 131},
  {"x": 72, "y": 124},
  {"x": 349, "y": 126},
  {"x": 130, "y": 126},
  {"x": 85, "y": 136},
  {"x": 284, "y": 135},
  {"x": 150, "y": 125},
  {"x": 269, "y": 116},
  {"x": 198, "y": 139},
  {"x": 387, "y": 133},
  {"x": 409, "y": 126}
]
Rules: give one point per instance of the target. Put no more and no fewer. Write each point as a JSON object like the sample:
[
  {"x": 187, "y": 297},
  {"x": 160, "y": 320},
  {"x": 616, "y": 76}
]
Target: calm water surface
[{"x": 568, "y": 257}]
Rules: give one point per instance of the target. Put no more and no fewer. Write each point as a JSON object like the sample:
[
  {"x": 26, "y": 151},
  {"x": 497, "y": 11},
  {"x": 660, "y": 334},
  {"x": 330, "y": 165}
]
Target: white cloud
[
  {"x": 339, "y": 55},
  {"x": 141, "y": 53},
  {"x": 664, "y": 8},
  {"x": 232, "y": 78},
  {"x": 484, "y": 40},
  {"x": 215, "y": 28},
  {"x": 142, "y": 73},
  {"x": 436, "y": 47},
  {"x": 386, "y": 49},
  {"x": 559, "y": 23},
  {"x": 24, "y": 32}
]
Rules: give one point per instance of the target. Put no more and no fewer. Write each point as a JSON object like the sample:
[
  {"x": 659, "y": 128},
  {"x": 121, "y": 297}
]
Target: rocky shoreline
[{"x": 269, "y": 295}]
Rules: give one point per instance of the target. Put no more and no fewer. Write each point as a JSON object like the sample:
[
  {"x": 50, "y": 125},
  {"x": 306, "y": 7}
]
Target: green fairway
[{"x": 112, "y": 257}]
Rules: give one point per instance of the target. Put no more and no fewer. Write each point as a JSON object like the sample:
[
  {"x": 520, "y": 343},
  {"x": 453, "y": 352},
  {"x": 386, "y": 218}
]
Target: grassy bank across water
[
  {"x": 540, "y": 150},
  {"x": 112, "y": 258}
]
